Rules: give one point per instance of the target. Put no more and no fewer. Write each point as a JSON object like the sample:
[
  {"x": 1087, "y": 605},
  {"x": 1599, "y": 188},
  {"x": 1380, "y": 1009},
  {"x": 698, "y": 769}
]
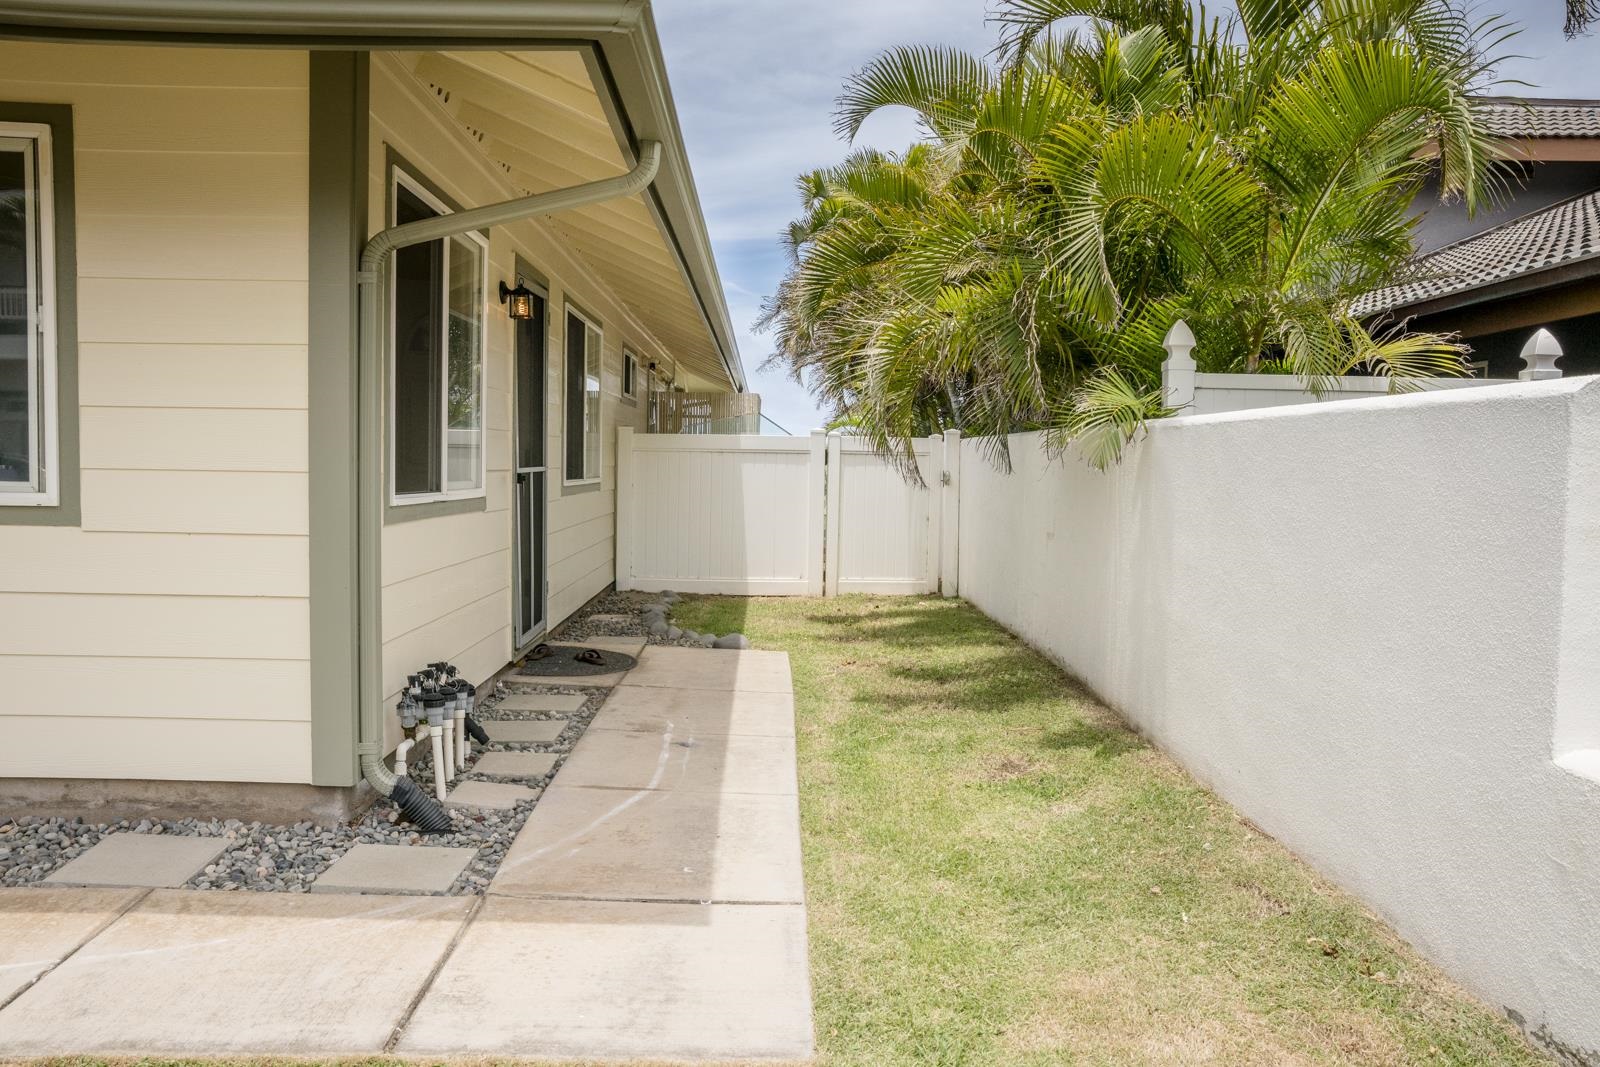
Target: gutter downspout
[{"x": 369, "y": 419}]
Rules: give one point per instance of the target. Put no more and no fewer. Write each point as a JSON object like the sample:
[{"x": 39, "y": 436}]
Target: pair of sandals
[{"x": 589, "y": 655}]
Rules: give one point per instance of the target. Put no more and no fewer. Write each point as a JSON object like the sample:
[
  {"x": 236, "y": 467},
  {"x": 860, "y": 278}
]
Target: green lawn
[{"x": 999, "y": 872}]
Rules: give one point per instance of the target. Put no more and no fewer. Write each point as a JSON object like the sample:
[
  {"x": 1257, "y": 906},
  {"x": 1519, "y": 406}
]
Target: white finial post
[
  {"x": 1540, "y": 355},
  {"x": 1178, "y": 372}
]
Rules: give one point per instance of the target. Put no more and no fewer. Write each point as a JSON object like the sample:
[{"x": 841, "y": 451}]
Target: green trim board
[
  {"x": 69, "y": 511},
  {"x": 339, "y": 116},
  {"x": 393, "y": 513}
]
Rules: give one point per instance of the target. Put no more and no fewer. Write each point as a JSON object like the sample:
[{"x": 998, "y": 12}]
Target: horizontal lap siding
[
  {"x": 171, "y": 629},
  {"x": 447, "y": 581}
]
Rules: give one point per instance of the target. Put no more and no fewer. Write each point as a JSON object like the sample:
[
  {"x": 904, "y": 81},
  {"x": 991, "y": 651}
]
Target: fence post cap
[
  {"x": 1180, "y": 336},
  {"x": 1542, "y": 343},
  {"x": 1539, "y": 355}
]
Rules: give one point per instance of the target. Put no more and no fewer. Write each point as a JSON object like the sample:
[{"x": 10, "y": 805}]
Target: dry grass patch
[{"x": 1000, "y": 873}]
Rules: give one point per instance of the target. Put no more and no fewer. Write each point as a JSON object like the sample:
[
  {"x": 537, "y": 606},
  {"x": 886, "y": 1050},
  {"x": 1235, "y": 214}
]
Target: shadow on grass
[
  {"x": 720, "y": 615},
  {"x": 1101, "y": 742}
]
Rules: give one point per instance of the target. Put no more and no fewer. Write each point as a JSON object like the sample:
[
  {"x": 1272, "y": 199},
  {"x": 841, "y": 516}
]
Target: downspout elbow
[
  {"x": 374, "y": 770},
  {"x": 635, "y": 181}
]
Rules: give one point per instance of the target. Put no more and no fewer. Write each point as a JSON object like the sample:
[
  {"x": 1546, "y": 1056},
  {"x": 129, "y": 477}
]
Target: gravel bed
[
  {"x": 630, "y": 604},
  {"x": 287, "y": 859}
]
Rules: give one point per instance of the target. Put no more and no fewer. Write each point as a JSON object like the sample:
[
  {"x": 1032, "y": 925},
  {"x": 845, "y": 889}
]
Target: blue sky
[{"x": 755, "y": 82}]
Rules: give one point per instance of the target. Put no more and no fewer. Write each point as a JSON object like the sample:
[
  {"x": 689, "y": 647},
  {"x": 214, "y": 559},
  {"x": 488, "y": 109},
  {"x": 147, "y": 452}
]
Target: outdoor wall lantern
[{"x": 519, "y": 300}]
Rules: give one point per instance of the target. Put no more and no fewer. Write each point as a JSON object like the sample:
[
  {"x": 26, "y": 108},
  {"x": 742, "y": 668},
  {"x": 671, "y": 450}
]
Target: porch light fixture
[{"x": 519, "y": 300}]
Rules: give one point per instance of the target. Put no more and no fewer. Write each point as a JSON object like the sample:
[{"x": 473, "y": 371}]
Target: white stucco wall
[{"x": 1372, "y": 626}]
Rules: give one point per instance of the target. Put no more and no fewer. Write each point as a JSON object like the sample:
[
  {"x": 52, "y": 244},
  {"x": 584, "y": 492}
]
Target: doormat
[{"x": 562, "y": 662}]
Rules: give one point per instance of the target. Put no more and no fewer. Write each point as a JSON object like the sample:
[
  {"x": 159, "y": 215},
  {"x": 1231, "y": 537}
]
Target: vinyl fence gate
[{"x": 748, "y": 515}]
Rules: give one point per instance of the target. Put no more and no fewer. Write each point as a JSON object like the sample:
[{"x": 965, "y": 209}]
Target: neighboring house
[
  {"x": 223, "y": 529},
  {"x": 1533, "y": 261}
]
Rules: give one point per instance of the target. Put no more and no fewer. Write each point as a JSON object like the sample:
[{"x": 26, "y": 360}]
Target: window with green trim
[{"x": 29, "y": 434}]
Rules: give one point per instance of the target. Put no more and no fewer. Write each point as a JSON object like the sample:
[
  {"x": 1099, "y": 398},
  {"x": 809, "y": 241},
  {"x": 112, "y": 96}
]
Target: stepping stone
[
  {"x": 525, "y": 731},
  {"x": 395, "y": 869},
  {"x": 141, "y": 859},
  {"x": 497, "y": 795},
  {"x": 612, "y": 620},
  {"x": 541, "y": 702},
  {"x": 515, "y": 764}
]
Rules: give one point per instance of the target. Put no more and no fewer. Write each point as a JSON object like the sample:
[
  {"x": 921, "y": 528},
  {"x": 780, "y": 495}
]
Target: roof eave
[
  {"x": 634, "y": 73},
  {"x": 1529, "y": 281},
  {"x": 637, "y": 74},
  {"x": 315, "y": 21}
]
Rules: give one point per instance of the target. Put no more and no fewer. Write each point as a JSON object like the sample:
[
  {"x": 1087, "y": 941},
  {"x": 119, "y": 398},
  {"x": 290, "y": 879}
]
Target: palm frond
[
  {"x": 1103, "y": 416},
  {"x": 940, "y": 84}
]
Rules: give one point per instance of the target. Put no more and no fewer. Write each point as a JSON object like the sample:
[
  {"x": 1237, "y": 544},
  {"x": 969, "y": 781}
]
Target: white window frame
[
  {"x": 573, "y": 312},
  {"x": 45, "y": 492},
  {"x": 399, "y": 178},
  {"x": 629, "y": 385}
]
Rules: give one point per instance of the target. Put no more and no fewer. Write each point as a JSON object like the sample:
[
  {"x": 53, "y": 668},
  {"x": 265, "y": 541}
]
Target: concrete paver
[
  {"x": 502, "y": 796},
  {"x": 667, "y": 845},
  {"x": 525, "y": 731},
  {"x": 651, "y": 907},
  {"x": 140, "y": 860},
  {"x": 209, "y": 974},
  {"x": 678, "y": 759},
  {"x": 695, "y": 668},
  {"x": 525, "y": 701},
  {"x": 598, "y": 979},
  {"x": 699, "y": 711},
  {"x": 370, "y": 868},
  {"x": 515, "y": 764},
  {"x": 40, "y": 926}
]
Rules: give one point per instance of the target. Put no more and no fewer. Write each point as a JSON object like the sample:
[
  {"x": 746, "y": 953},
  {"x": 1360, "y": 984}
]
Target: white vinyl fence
[
  {"x": 749, "y": 515},
  {"x": 1184, "y": 388}
]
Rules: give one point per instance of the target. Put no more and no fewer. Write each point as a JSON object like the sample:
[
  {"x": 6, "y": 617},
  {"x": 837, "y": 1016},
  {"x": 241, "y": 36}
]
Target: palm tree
[
  {"x": 1080, "y": 190},
  {"x": 1581, "y": 14}
]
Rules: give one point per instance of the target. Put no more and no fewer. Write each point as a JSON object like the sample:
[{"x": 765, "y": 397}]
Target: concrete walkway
[{"x": 651, "y": 907}]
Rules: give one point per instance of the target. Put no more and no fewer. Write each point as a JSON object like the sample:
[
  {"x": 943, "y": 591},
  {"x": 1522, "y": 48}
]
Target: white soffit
[{"x": 537, "y": 117}]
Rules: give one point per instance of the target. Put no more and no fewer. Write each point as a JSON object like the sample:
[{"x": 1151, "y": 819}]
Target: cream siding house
[{"x": 180, "y": 392}]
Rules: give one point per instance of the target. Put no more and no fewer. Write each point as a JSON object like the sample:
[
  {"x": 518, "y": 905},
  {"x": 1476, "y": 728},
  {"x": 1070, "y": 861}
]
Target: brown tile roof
[
  {"x": 1559, "y": 234},
  {"x": 1525, "y": 119}
]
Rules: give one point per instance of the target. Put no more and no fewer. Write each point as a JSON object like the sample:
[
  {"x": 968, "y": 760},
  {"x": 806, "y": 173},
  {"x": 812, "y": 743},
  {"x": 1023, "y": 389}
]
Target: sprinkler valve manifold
[{"x": 436, "y": 710}]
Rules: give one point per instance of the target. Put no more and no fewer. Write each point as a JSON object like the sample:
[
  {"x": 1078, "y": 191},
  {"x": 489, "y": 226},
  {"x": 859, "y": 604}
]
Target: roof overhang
[
  {"x": 329, "y": 23},
  {"x": 622, "y": 48},
  {"x": 1540, "y": 279},
  {"x": 1554, "y": 149}
]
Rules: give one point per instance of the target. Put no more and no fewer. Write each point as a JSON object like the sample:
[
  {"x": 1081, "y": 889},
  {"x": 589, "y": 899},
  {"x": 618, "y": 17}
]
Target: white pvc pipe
[
  {"x": 450, "y": 751},
  {"x": 436, "y": 734},
  {"x": 463, "y": 745}
]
